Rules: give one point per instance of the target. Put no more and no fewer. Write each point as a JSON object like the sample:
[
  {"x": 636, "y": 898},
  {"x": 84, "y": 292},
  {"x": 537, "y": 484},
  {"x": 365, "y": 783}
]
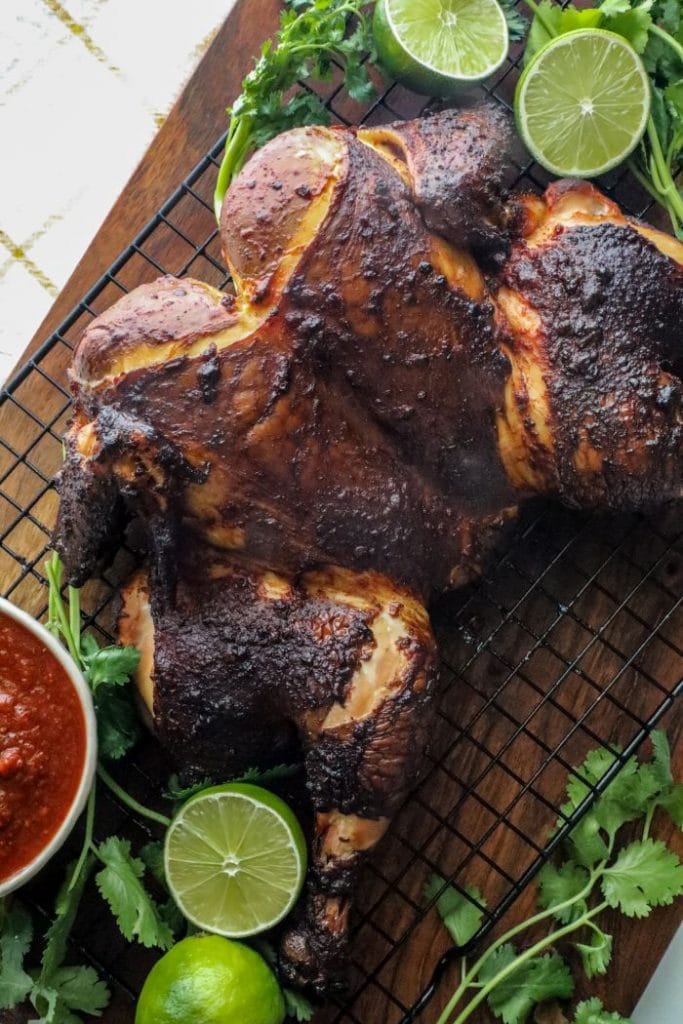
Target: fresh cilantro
[
  {"x": 462, "y": 916},
  {"x": 591, "y": 1011},
  {"x": 314, "y": 37},
  {"x": 646, "y": 874},
  {"x": 66, "y": 908},
  {"x": 297, "y": 1005},
  {"x": 596, "y": 953},
  {"x": 559, "y": 887},
  {"x": 112, "y": 665},
  {"x": 120, "y": 883},
  {"x": 16, "y": 933},
  {"x": 278, "y": 771},
  {"x": 178, "y": 793},
  {"x": 590, "y": 874},
  {"x": 71, "y": 989},
  {"x": 118, "y": 726},
  {"x": 56, "y": 991},
  {"x": 531, "y": 982},
  {"x": 550, "y": 20},
  {"x": 516, "y": 22},
  {"x": 152, "y": 856},
  {"x": 633, "y": 23},
  {"x": 106, "y": 669}
]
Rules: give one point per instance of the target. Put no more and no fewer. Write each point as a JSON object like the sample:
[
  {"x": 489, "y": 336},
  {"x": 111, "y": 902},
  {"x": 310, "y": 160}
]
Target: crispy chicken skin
[
  {"x": 407, "y": 357},
  {"x": 590, "y": 310}
]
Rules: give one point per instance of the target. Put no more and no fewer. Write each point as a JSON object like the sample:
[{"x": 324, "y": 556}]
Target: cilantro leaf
[
  {"x": 532, "y": 982},
  {"x": 152, "y": 856},
  {"x": 559, "y": 884},
  {"x": 66, "y": 908},
  {"x": 79, "y": 988},
  {"x": 297, "y": 1005},
  {"x": 16, "y": 933},
  {"x": 460, "y": 915},
  {"x": 113, "y": 665},
  {"x": 553, "y": 20},
  {"x": 591, "y": 1011},
  {"x": 120, "y": 884},
  {"x": 596, "y": 953},
  {"x": 633, "y": 24},
  {"x": 518, "y": 26},
  {"x": 661, "y": 757},
  {"x": 178, "y": 793},
  {"x": 646, "y": 874},
  {"x": 609, "y": 8},
  {"x": 278, "y": 771},
  {"x": 118, "y": 726}
]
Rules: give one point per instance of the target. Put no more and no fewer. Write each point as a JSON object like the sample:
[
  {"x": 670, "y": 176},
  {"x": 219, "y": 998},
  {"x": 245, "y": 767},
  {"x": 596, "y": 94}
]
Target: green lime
[
  {"x": 582, "y": 103},
  {"x": 235, "y": 859},
  {"x": 209, "y": 980},
  {"x": 438, "y": 47}
]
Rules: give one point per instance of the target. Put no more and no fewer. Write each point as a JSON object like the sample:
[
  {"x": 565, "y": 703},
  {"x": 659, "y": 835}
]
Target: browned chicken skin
[{"x": 405, "y": 359}]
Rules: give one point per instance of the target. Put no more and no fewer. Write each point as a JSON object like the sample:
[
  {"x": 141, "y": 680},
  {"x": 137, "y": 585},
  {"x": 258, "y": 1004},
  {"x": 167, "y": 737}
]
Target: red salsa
[{"x": 42, "y": 746}]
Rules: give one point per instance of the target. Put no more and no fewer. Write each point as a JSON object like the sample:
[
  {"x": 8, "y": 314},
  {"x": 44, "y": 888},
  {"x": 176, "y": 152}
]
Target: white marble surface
[{"x": 84, "y": 85}]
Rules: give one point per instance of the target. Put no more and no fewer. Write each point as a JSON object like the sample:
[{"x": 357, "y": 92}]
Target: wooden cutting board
[{"x": 190, "y": 130}]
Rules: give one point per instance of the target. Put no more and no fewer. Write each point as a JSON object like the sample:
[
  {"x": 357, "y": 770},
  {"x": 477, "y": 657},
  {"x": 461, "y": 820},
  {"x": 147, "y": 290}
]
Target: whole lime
[{"x": 206, "y": 979}]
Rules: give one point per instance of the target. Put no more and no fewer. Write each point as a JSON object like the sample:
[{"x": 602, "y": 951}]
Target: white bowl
[{"x": 89, "y": 762}]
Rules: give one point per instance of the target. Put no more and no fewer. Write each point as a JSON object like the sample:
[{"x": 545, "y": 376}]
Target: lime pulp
[
  {"x": 439, "y": 47},
  {"x": 582, "y": 104},
  {"x": 235, "y": 859}
]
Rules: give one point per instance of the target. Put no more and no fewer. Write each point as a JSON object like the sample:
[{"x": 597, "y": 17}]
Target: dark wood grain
[{"x": 508, "y": 701}]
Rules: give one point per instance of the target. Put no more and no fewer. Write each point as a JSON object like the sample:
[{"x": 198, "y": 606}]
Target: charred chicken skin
[{"x": 405, "y": 359}]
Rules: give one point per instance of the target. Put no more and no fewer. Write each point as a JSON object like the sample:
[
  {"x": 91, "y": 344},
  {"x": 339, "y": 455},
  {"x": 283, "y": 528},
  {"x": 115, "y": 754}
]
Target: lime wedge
[
  {"x": 235, "y": 859},
  {"x": 438, "y": 47},
  {"x": 582, "y": 103}
]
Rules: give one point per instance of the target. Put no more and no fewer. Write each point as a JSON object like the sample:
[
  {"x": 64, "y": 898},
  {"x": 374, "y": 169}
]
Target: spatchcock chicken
[{"x": 408, "y": 354}]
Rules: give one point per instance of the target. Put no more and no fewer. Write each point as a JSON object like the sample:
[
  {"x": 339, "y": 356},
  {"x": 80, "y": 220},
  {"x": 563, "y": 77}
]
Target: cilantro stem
[
  {"x": 236, "y": 149},
  {"x": 528, "y": 954},
  {"x": 466, "y": 981},
  {"x": 87, "y": 839},
  {"x": 129, "y": 801},
  {"x": 538, "y": 12},
  {"x": 58, "y": 622}
]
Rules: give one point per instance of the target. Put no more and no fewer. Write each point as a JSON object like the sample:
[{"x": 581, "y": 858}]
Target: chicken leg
[{"x": 243, "y": 659}]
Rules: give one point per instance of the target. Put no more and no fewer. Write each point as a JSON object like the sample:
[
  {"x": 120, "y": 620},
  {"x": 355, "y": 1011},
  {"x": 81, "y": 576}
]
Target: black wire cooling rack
[{"x": 570, "y": 640}]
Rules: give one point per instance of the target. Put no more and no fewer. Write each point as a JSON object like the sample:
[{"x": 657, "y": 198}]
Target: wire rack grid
[{"x": 570, "y": 640}]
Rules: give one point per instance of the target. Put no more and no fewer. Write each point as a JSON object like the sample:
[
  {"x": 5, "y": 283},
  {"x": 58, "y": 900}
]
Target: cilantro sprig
[
  {"x": 314, "y": 35},
  {"x": 592, "y": 874},
  {"x": 655, "y": 31}
]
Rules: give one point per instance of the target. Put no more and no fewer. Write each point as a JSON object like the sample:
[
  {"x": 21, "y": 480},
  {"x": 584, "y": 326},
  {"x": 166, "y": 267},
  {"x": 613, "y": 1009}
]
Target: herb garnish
[
  {"x": 592, "y": 875},
  {"x": 313, "y": 36}
]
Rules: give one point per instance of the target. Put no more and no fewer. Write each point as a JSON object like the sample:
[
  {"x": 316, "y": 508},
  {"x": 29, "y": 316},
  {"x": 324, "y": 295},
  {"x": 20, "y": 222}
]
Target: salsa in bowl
[{"x": 48, "y": 746}]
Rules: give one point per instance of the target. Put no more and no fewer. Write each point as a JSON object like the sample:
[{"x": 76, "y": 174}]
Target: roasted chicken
[{"x": 406, "y": 357}]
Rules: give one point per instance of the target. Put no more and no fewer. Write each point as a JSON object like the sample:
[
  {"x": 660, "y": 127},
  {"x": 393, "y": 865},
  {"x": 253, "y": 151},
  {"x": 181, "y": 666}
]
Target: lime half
[
  {"x": 582, "y": 103},
  {"x": 438, "y": 47},
  {"x": 235, "y": 859}
]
